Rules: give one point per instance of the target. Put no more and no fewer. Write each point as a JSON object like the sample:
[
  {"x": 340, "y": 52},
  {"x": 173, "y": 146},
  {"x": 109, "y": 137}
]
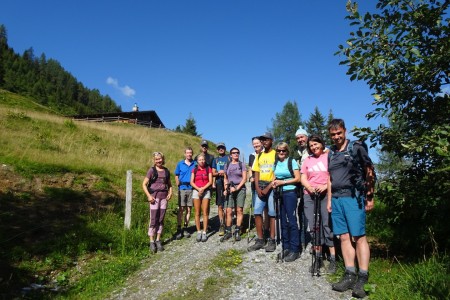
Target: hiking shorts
[
  {"x": 348, "y": 215},
  {"x": 206, "y": 195},
  {"x": 185, "y": 198},
  {"x": 236, "y": 199},
  {"x": 260, "y": 204}
]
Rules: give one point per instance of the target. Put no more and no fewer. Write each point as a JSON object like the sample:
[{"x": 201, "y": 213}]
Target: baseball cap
[
  {"x": 221, "y": 145},
  {"x": 267, "y": 135},
  {"x": 204, "y": 142}
]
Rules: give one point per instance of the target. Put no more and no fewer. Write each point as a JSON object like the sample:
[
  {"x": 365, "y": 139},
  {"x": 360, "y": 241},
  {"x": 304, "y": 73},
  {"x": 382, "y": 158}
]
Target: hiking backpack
[
  {"x": 360, "y": 177},
  {"x": 155, "y": 176}
]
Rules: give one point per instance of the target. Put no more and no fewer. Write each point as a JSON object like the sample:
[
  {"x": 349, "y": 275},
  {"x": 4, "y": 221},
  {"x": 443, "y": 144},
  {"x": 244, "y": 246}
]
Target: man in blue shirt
[{"x": 183, "y": 178}]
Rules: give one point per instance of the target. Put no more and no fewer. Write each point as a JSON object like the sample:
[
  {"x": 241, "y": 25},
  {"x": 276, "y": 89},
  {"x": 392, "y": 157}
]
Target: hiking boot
[
  {"x": 226, "y": 237},
  {"x": 358, "y": 289},
  {"x": 221, "y": 230},
  {"x": 237, "y": 236},
  {"x": 199, "y": 236},
  {"x": 186, "y": 234},
  {"x": 152, "y": 247},
  {"x": 291, "y": 256},
  {"x": 204, "y": 237},
  {"x": 259, "y": 244},
  {"x": 347, "y": 282},
  {"x": 159, "y": 246},
  {"x": 271, "y": 245},
  {"x": 282, "y": 254},
  {"x": 332, "y": 267},
  {"x": 179, "y": 235}
]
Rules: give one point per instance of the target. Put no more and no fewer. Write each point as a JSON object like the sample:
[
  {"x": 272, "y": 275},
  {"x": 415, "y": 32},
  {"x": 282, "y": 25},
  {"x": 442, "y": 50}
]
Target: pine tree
[{"x": 286, "y": 124}]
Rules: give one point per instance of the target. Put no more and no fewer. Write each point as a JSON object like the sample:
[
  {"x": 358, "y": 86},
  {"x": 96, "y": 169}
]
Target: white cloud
[{"x": 125, "y": 90}]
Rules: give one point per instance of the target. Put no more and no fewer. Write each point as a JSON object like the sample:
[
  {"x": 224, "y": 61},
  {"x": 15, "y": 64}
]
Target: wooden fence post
[{"x": 128, "y": 196}]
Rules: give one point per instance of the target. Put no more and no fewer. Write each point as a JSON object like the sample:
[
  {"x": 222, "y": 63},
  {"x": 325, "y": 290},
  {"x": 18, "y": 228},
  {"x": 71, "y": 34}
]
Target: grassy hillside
[{"x": 62, "y": 199}]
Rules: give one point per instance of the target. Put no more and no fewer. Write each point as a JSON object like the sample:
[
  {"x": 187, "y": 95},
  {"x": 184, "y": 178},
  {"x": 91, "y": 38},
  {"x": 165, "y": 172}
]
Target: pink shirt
[{"x": 316, "y": 170}]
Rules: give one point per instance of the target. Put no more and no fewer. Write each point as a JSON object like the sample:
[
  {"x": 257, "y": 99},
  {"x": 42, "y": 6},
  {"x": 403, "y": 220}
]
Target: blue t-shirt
[
  {"x": 183, "y": 171},
  {"x": 282, "y": 172},
  {"x": 219, "y": 164}
]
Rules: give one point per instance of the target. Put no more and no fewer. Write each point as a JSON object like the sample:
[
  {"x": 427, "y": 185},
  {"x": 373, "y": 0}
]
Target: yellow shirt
[{"x": 264, "y": 165}]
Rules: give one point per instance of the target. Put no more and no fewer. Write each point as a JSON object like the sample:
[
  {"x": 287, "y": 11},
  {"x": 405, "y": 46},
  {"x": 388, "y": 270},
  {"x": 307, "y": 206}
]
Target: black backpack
[{"x": 360, "y": 180}]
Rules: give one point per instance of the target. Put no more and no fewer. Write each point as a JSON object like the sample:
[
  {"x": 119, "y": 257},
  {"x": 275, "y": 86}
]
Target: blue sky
[{"x": 232, "y": 64}]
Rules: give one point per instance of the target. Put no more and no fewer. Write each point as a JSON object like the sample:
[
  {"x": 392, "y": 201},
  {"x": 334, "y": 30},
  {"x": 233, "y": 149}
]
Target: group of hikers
[{"x": 324, "y": 191}]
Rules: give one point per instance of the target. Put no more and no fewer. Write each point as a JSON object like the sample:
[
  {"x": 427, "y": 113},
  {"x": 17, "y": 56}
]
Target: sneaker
[
  {"x": 259, "y": 244},
  {"x": 291, "y": 256},
  {"x": 332, "y": 267},
  {"x": 237, "y": 236},
  {"x": 179, "y": 235},
  {"x": 204, "y": 237},
  {"x": 358, "y": 289},
  {"x": 347, "y": 282},
  {"x": 271, "y": 245},
  {"x": 186, "y": 234},
  {"x": 221, "y": 230},
  {"x": 199, "y": 236},
  {"x": 226, "y": 236},
  {"x": 159, "y": 246},
  {"x": 152, "y": 247}
]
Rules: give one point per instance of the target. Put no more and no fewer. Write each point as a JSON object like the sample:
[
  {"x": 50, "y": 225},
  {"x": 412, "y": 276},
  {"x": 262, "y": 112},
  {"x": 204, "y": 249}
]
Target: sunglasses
[
  {"x": 235, "y": 152},
  {"x": 220, "y": 148},
  {"x": 281, "y": 150}
]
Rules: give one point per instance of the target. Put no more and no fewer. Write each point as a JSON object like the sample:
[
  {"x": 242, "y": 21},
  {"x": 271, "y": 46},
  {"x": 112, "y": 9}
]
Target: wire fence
[{"x": 119, "y": 119}]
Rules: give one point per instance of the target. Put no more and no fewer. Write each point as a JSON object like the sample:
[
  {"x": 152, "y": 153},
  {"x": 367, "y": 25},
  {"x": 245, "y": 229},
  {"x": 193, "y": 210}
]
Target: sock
[
  {"x": 363, "y": 272},
  {"x": 351, "y": 269},
  {"x": 238, "y": 229},
  {"x": 179, "y": 227},
  {"x": 332, "y": 258},
  {"x": 228, "y": 228}
]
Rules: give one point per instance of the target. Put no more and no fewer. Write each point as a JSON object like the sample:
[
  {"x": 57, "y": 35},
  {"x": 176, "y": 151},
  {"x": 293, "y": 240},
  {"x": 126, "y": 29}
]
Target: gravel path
[{"x": 184, "y": 265}]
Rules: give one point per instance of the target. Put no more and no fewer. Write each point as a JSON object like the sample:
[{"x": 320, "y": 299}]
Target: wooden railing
[{"x": 120, "y": 120}]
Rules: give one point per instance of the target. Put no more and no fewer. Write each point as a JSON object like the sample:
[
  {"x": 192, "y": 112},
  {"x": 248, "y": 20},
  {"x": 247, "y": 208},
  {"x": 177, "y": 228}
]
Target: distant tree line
[
  {"x": 286, "y": 123},
  {"x": 47, "y": 82}
]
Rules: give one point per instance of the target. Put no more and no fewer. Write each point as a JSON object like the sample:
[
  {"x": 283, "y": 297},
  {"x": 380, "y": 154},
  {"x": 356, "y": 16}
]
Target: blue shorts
[
  {"x": 260, "y": 204},
  {"x": 348, "y": 216}
]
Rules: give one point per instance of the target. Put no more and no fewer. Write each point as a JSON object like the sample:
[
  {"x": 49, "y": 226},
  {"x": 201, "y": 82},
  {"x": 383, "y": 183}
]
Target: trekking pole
[
  {"x": 278, "y": 196},
  {"x": 316, "y": 256},
  {"x": 249, "y": 223},
  {"x": 224, "y": 209}
]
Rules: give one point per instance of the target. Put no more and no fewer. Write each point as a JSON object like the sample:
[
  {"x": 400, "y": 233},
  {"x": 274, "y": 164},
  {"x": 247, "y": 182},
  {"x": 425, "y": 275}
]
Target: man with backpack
[
  {"x": 183, "y": 172},
  {"x": 264, "y": 176},
  {"x": 300, "y": 154},
  {"x": 351, "y": 188},
  {"x": 218, "y": 172}
]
